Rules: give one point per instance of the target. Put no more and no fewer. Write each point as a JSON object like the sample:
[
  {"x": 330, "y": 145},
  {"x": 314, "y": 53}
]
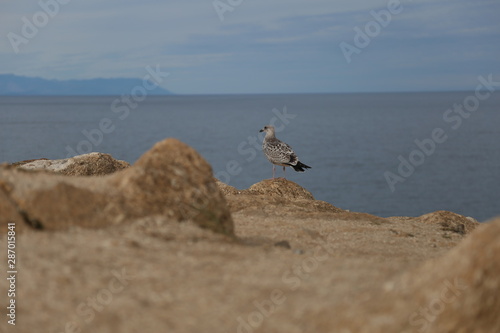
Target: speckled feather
[{"x": 278, "y": 152}]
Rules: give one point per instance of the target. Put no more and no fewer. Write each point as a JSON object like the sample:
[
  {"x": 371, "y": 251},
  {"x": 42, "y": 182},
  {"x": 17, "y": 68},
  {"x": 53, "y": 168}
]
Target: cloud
[{"x": 259, "y": 45}]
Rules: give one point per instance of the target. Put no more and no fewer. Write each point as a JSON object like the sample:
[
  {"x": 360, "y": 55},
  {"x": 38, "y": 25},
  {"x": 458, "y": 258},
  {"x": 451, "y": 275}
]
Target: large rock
[
  {"x": 93, "y": 164},
  {"x": 170, "y": 180}
]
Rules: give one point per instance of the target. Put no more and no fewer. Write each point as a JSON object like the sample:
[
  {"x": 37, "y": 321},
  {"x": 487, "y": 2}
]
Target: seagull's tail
[{"x": 300, "y": 167}]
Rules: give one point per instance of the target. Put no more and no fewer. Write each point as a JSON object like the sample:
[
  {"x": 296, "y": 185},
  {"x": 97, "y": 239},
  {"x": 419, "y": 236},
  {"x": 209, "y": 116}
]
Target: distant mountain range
[{"x": 14, "y": 85}]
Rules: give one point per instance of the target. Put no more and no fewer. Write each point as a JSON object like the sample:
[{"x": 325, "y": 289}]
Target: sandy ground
[{"x": 157, "y": 276}]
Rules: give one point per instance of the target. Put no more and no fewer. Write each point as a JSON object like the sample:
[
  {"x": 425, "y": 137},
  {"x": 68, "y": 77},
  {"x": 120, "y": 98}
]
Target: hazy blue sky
[{"x": 261, "y": 46}]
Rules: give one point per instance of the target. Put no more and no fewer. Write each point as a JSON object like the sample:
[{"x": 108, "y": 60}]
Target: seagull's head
[{"x": 268, "y": 129}]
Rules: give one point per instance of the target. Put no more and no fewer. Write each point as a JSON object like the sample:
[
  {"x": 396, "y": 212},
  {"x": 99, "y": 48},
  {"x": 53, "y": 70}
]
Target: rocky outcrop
[
  {"x": 280, "y": 188},
  {"x": 93, "y": 164},
  {"x": 170, "y": 180},
  {"x": 450, "y": 221},
  {"x": 280, "y": 196}
]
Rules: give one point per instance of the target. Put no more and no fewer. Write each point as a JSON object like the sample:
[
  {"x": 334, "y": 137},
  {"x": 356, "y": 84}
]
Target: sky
[{"x": 257, "y": 46}]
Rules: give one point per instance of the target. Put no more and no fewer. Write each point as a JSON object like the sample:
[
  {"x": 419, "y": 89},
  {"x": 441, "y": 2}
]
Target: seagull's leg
[
  {"x": 284, "y": 173},
  {"x": 274, "y": 170}
]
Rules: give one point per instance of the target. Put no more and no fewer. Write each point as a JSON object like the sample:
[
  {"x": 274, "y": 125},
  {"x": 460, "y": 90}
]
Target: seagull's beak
[{"x": 261, "y": 130}]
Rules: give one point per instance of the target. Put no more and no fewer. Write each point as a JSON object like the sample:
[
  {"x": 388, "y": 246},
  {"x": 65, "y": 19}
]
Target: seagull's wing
[{"x": 279, "y": 152}]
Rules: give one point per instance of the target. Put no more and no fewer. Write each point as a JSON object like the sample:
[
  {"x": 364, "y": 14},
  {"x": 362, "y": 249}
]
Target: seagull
[{"x": 279, "y": 153}]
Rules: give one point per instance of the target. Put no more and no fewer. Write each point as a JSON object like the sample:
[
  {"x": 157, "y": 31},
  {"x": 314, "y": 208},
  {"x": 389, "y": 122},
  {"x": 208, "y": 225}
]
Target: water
[{"x": 350, "y": 140}]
